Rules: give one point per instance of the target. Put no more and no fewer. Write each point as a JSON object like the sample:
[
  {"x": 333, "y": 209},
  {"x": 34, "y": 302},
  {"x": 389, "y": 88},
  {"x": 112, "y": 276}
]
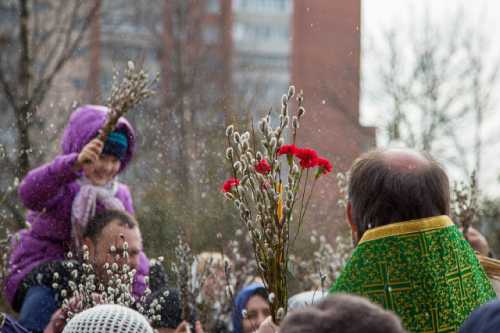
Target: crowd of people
[{"x": 412, "y": 269}]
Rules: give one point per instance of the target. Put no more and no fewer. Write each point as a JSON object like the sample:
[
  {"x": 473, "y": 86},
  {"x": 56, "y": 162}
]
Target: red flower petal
[
  {"x": 229, "y": 184},
  {"x": 263, "y": 167},
  {"x": 308, "y": 157},
  {"x": 324, "y": 165},
  {"x": 287, "y": 150}
]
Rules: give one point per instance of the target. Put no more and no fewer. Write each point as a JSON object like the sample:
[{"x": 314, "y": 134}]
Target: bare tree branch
[
  {"x": 445, "y": 82},
  {"x": 54, "y": 31},
  {"x": 69, "y": 48},
  {"x": 8, "y": 91}
]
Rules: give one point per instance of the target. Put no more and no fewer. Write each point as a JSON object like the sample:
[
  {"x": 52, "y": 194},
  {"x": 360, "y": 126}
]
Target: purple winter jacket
[{"x": 48, "y": 192}]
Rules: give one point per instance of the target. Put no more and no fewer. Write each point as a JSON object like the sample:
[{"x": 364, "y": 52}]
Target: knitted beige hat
[{"x": 108, "y": 318}]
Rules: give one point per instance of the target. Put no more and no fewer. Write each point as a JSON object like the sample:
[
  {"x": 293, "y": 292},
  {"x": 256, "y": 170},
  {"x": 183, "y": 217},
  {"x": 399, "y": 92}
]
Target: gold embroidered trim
[{"x": 407, "y": 227}]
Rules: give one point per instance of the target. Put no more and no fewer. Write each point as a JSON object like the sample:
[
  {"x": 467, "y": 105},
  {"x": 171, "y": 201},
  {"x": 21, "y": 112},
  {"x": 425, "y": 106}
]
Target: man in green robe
[{"x": 410, "y": 257}]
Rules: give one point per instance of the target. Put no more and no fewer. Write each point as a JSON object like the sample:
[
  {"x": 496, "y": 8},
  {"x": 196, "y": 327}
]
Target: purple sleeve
[
  {"x": 42, "y": 187},
  {"x": 142, "y": 271}
]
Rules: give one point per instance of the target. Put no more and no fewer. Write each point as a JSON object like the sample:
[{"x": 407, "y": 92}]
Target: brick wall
[{"x": 326, "y": 65}]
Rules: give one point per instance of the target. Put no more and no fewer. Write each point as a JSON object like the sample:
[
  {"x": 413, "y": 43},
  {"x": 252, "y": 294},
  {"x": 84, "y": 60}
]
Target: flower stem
[{"x": 302, "y": 214}]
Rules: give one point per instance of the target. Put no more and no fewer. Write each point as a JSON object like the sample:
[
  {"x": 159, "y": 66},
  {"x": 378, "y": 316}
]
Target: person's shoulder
[
  {"x": 122, "y": 188},
  {"x": 123, "y": 194}
]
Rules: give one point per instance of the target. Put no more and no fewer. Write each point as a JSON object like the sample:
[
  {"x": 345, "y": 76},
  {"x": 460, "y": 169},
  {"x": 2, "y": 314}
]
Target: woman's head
[
  {"x": 212, "y": 266},
  {"x": 170, "y": 316},
  {"x": 251, "y": 308},
  {"x": 108, "y": 318}
]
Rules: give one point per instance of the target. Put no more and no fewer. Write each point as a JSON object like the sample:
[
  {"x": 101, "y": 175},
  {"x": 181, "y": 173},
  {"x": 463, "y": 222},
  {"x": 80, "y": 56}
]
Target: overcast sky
[{"x": 380, "y": 14}]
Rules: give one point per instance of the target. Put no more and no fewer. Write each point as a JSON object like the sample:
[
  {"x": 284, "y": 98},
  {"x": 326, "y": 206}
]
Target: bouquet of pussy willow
[
  {"x": 133, "y": 89},
  {"x": 271, "y": 185}
]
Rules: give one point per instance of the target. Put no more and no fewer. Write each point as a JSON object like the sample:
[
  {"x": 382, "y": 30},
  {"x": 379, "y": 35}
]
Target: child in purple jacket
[{"x": 62, "y": 196}]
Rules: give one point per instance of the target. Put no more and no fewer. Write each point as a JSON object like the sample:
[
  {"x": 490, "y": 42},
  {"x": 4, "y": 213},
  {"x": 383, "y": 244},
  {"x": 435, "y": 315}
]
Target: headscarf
[{"x": 240, "y": 303}]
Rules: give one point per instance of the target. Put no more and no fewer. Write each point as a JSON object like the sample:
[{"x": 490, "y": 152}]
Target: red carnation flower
[
  {"x": 263, "y": 167},
  {"x": 324, "y": 165},
  {"x": 287, "y": 150},
  {"x": 228, "y": 184},
  {"x": 308, "y": 158}
]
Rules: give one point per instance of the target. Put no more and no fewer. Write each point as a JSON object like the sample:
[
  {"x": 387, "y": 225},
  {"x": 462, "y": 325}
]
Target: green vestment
[{"x": 423, "y": 270}]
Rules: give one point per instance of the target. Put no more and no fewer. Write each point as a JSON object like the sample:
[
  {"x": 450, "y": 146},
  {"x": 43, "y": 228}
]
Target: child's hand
[
  {"x": 89, "y": 154},
  {"x": 182, "y": 328},
  {"x": 57, "y": 322}
]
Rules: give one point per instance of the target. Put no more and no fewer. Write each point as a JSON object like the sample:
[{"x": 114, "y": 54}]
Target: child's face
[{"x": 103, "y": 170}]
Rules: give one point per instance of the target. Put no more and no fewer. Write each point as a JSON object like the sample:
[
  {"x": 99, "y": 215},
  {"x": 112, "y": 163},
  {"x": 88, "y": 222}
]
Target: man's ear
[
  {"x": 354, "y": 227},
  {"x": 348, "y": 213}
]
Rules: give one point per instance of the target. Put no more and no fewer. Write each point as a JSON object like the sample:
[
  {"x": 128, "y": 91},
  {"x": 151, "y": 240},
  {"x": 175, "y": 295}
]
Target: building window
[
  {"x": 210, "y": 34},
  {"x": 40, "y": 6},
  {"x": 213, "y": 6},
  {"x": 260, "y": 32},
  {"x": 264, "y": 5},
  {"x": 239, "y": 32}
]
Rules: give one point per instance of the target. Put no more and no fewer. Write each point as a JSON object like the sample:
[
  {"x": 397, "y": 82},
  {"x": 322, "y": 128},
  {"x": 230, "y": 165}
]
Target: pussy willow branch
[
  {"x": 300, "y": 99},
  {"x": 232, "y": 157},
  {"x": 254, "y": 142},
  {"x": 132, "y": 90},
  {"x": 262, "y": 194},
  {"x": 253, "y": 232},
  {"x": 227, "y": 273}
]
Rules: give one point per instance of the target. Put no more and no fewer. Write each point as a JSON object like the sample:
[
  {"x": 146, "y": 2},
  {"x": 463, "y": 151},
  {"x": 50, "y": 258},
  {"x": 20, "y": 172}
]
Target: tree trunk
[
  {"x": 94, "y": 82},
  {"x": 23, "y": 141},
  {"x": 23, "y": 116}
]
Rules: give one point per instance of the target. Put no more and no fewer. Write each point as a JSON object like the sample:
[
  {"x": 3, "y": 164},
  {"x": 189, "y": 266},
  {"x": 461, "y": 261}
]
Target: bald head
[
  {"x": 404, "y": 160},
  {"x": 395, "y": 185}
]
